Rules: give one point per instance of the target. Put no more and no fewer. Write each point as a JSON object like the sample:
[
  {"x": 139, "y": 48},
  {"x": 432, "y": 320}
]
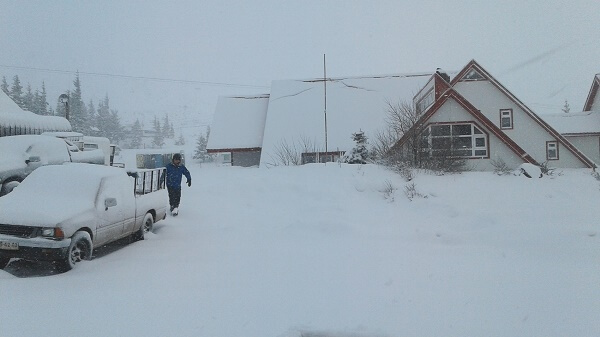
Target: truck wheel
[
  {"x": 8, "y": 186},
  {"x": 80, "y": 249},
  {"x": 4, "y": 262},
  {"x": 146, "y": 227}
]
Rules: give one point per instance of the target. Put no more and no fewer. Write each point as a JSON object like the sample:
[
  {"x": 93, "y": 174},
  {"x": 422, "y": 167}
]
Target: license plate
[{"x": 9, "y": 245}]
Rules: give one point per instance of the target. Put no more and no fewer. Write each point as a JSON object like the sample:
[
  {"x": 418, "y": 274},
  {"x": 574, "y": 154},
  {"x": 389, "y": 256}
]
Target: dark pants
[{"x": 174, "y": 196}]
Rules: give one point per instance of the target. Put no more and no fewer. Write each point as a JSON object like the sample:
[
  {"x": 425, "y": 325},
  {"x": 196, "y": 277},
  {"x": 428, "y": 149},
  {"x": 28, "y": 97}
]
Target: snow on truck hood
[{"x": 52, "y": 194}]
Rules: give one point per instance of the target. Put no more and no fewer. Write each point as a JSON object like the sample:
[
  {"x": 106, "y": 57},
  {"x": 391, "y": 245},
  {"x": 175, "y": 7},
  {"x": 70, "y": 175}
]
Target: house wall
[
  {"x": 245, "y": 159},
  {"x": 451, "y": 111},
  {"x": 526, "y": 132},
  {"x": 589, "y": 145}
]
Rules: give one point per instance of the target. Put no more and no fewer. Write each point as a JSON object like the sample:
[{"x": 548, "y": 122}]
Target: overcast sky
[{"x": 153, "y": 57}]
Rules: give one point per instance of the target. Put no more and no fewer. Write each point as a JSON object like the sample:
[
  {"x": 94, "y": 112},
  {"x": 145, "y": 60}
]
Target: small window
[
  {"x": 552, "y": 150},
  {"x": 506, "y": 119}
]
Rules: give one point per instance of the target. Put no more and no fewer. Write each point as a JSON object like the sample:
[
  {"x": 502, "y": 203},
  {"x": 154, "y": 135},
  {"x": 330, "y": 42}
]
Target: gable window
[
  {"x": 552, "y": 150},
  {"x": 506, "y": 119},
  {"x": 473, "y": 75},
  {"x": 464, "y": 140}
]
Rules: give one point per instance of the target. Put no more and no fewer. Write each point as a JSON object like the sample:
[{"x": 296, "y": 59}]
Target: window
[
  {"x": 473, "y": 75},
  {"x": 464, "y": 140},
  {"x": 425, "y": 102},
  {"x": 320, "y": 157},
  {"x": 506, "y": 119},
  {"x": 551, "y": 150}
]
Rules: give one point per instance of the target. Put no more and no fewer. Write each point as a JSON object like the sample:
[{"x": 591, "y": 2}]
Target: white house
[
  {"x": 236, "y": 134},
  {"x": 315, "y": 119},
  {"x": 16, "y": 121},
  {"x": 475, "y": 117}
]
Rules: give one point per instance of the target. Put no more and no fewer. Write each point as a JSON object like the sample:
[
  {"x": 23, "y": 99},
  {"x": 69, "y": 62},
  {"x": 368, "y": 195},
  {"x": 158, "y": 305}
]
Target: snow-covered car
[
  {"x": 61, "y": 212},
  {"x": 20, "y": 155}
]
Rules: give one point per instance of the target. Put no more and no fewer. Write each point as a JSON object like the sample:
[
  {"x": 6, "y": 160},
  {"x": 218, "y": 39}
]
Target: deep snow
[{"x": 322, "y": 250}]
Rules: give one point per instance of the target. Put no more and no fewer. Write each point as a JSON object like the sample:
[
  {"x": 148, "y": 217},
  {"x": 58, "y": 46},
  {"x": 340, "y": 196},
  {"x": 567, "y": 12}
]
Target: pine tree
[
  {"x": 103, "y": 117},
  {"x": 77, "y": 110},
  {"x": 200, "y": 152},
  {"x": 158, "y": 141},
  {"x": 40, "y": 103},
  {"x": 566, "y": 108},
  {"x": 172, "y": 132},
  {"x": 115, "y": 130},
  {"x": 136, "y": 135},
  {"x": 4, "y": 85},
  {"x": 28, "y": 99},
  {"x": 92, "y": 119},
  {"x": 16, "y": 92},
  {"x": 180, "y": 140},
  {"x": 166, "y": 127},
  {"x": 359, "y": 154}
]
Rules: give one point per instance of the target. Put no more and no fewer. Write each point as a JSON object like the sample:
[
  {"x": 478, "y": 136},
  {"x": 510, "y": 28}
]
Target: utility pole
[{"x": 325, "y": 108}]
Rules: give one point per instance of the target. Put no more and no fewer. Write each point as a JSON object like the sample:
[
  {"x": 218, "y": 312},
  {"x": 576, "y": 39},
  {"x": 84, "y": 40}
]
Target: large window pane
[
  {"x": 440, "y": 130},
  {"x": 461, "y": 142},
  {"x": 440, "y": 143},
  {"x": 461, "y": 129}
]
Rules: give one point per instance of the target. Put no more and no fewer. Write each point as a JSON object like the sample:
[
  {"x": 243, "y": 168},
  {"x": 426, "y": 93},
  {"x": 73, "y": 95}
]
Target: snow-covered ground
[{"x": 324, "y": 251}]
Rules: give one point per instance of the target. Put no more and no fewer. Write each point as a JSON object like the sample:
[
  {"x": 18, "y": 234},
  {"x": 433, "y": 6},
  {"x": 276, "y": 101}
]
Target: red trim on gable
[
  {"x": 451, "y": 93},
  {"x": 251, "y": 149},
  {"x": 560, "y": 138},
  {"x": 592, "y": 94}
]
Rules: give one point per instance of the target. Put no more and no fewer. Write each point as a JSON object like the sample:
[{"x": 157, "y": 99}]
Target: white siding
[{"x": 526, "y": 132}]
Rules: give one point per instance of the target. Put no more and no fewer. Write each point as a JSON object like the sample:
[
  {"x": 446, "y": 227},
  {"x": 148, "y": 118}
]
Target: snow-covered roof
[
  {"x": 574, "y": 123},
  {"x": 11, "y": 115},
  {"x": 296, "y": 113},
  {"x": 239, "y": 122}
]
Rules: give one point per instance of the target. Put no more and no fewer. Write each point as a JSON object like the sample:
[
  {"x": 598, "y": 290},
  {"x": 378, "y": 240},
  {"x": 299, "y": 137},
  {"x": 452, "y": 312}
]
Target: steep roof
[
  {"x": 586, "y": 122},
  {"x": 239, "y": 123},
  {"x": 589, "y": 102},
  {"x": 298, "y": 110}
]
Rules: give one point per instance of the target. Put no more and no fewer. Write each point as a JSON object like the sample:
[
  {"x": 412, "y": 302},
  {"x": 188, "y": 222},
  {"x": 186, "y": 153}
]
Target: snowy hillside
[{"x": 323, "y": 250}]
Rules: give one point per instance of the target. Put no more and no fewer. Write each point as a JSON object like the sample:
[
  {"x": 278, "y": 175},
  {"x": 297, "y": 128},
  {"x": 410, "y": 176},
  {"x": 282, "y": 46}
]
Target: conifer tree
[
  {"x": 103, "y": 117},
  {"x": 166, "y": 127},
  {"x": 77, "y": 110},
  {"x": 136, "y": 135},
  {"x": 40, "y": 102},
  {"x": 200, "y": 152},
  {"x": 16, "y": 92},
  {"x": 92, "y": 119},
  {"x": 4, "y": 85},
  {"x": 359, "y": 154},
  {"x": 180, "y": 140},
  {"x": 158, "y": 141},
  {"x": 28, "y": 99},
  {"x": 566, "y": 108}
]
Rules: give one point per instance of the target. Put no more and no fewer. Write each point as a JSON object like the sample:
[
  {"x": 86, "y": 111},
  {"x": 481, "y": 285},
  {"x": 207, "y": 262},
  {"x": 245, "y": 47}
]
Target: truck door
[{"x": 112, "y": 219}]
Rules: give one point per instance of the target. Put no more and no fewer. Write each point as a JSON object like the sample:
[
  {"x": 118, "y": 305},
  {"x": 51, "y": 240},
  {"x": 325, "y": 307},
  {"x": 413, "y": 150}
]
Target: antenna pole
[{"x": 325, "y": 87}]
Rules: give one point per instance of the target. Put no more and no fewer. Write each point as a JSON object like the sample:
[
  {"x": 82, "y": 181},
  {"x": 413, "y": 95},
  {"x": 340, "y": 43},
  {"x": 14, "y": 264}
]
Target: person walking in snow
[{"x": 175, "y": 171}]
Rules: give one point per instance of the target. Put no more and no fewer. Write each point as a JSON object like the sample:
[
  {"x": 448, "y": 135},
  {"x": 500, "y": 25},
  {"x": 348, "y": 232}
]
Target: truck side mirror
[
  {"x": 109, "y": 202},
  {"x": 33, "y": 159}
]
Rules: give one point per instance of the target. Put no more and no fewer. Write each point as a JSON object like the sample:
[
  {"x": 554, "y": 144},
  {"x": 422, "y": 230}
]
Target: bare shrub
[
  {"x": 388, "y": 190},
  {"x": 500, "y": 167},
  {"x": 286, "y": 154},
  {"x": 549, "y": 171},
  {"x": 410, "y": 190}
]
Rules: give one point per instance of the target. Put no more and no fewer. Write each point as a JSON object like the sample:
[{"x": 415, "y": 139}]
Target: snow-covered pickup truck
[
  {"x": 20, "y": 155},
  {"x": 61, "y": 212}
]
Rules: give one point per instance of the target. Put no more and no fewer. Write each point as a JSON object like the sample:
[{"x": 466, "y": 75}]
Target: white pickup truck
[{"x": 61, "y": 212}]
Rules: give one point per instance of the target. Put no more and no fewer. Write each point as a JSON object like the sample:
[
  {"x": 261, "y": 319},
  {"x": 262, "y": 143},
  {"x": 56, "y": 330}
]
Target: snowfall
[{"x": 335, "y": 250}]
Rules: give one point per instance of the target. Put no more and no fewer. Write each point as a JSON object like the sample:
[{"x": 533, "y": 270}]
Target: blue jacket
[{"x": 174, "y": 174}]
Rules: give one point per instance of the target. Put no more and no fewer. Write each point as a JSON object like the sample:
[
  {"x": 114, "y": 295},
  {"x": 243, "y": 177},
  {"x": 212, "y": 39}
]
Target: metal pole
[{"x": 325, "y": 86}]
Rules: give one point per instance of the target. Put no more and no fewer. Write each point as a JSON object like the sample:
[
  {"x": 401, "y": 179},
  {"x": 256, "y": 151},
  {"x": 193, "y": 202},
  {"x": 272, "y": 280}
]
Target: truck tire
[
  {"x": 146, "y": 227},
  {"x": 4, "y": 262},
  {"x": 8, "y": 186},
  {"x": 80, "y": 249}
]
